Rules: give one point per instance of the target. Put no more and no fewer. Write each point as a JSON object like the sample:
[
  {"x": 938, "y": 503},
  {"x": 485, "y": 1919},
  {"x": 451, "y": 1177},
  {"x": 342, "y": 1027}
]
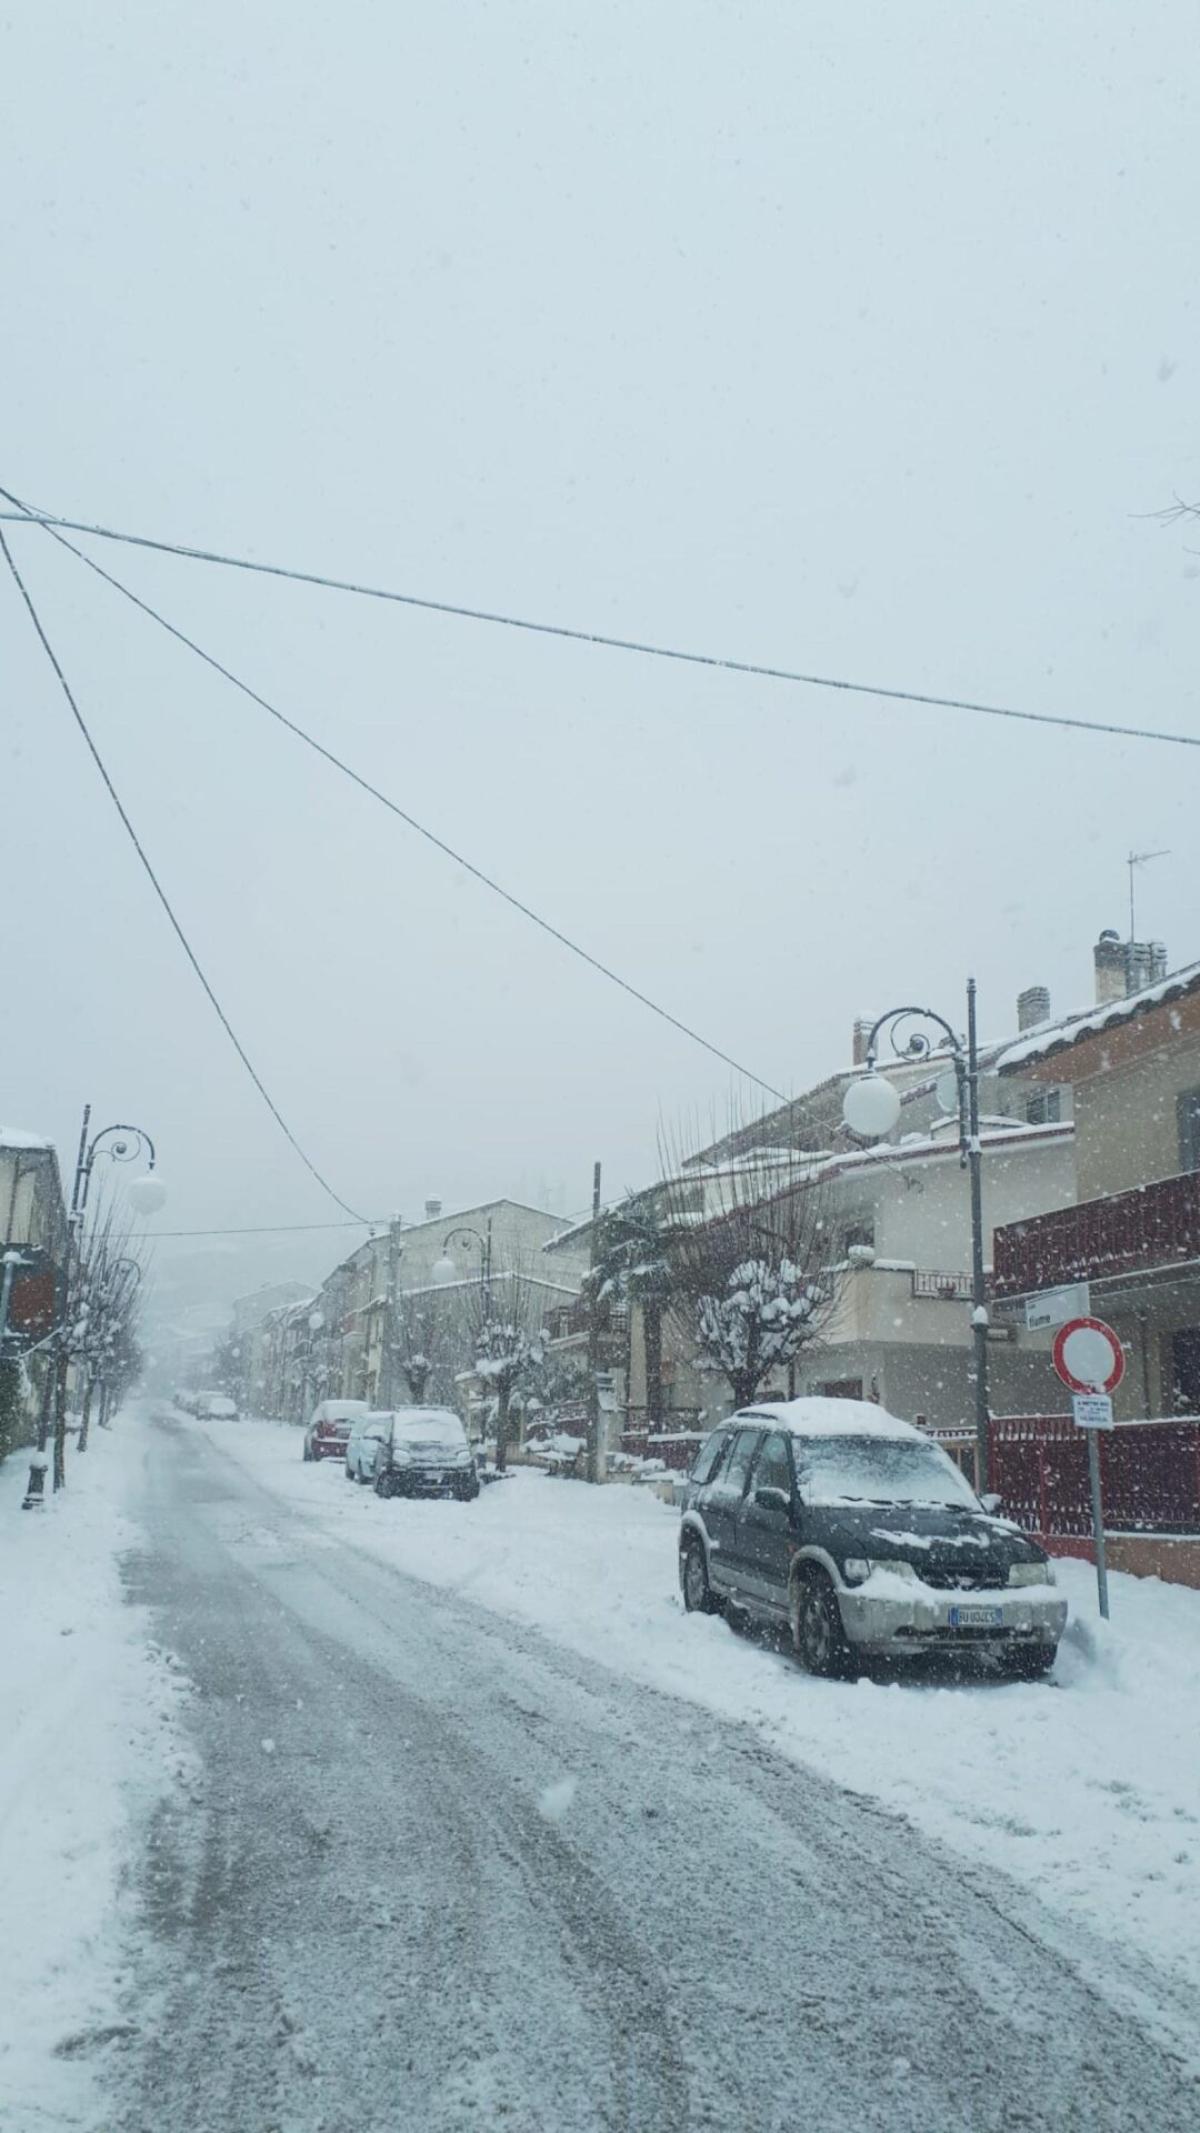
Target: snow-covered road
[{"x": 442, "y": 1870}]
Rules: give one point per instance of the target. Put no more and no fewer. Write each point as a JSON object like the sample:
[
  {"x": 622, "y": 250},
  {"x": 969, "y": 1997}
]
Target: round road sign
[{"x": 1088, "y": 1355}]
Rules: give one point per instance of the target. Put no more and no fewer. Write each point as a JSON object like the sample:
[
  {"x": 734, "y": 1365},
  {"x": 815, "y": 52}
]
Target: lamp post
[
  {"x": 871, "y": 1108},
  {"x": 122, "y": 1144},
  {"x": 444, "y": 1269}
]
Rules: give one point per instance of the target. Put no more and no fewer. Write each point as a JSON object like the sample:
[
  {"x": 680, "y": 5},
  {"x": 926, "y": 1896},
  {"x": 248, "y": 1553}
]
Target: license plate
[{"x": 976, "y": 1618}]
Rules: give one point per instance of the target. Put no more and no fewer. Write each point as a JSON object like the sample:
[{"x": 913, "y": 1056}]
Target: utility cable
[
  {"x": 161, "y": 893},
  {"x": 393, "y": 807},
  {"x": 600, "y": 638}
]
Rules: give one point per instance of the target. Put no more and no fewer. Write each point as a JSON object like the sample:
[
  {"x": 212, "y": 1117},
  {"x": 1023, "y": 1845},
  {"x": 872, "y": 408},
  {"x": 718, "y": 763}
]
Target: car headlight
[
  {"x": 462, "y": 1456},
  {"x": 1031, "y": 1574},
  {"x": 858, "y": 1568},
  {"x": 400, "y": 1455}
]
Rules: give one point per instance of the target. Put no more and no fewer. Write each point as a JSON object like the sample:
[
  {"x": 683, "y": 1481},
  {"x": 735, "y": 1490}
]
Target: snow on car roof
[{"x": 817, "y": 1416}]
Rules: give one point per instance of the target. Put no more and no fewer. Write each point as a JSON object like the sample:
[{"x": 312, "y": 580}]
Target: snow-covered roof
[
  {"x": 16, "y": 1137},
  {"x": 1059, "y": 1036},
  {"x": 815, "y": 1416}
]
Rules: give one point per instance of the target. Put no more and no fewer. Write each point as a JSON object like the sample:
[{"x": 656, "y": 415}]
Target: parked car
[
  {"x": 214, "y": 1407},
  {"x": 414, "y": 1451},
  {"x": 861, "y": 1536},
  {"x": 329, "y": 1426}
]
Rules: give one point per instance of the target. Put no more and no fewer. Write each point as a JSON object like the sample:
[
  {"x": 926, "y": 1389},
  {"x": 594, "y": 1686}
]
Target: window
[
  {"x": 708, "y": 1458},
  {"x": 734, "y": 1479},
  {"x": 1187, "y": 1109},
  {"x": 774, "y": 1469},
  {"x": 1044, "y": 1108}
]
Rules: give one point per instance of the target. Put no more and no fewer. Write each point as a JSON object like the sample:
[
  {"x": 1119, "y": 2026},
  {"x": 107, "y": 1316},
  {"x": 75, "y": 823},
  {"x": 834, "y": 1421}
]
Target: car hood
[{"x": 921, "y": 1533}]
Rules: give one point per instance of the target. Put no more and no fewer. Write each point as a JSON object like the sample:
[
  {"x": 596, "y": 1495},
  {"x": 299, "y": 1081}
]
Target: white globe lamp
[
  {"x": 871, "y": 1106},
  {"x": 444, "y": 1270},
  {"x": 147, "y": 1193}
]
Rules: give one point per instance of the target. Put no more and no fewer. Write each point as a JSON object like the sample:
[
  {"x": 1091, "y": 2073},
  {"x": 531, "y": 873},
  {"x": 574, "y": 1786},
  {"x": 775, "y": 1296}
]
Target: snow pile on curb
[
  {"x": 1083, "y": 1787},
  {"x": 87, "y": 1742}
]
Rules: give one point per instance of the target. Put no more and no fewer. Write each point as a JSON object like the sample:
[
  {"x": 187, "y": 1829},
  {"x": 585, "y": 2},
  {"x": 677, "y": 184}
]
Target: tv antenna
[{"x": 1138, "y": 859}]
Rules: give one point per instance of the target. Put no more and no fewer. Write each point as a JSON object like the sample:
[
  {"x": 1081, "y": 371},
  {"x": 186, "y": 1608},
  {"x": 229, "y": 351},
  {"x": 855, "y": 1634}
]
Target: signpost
[{"x": 1090, "y": 1360}]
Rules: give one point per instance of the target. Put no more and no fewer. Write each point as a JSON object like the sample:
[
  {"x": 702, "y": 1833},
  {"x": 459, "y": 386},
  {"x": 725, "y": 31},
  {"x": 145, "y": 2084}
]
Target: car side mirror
[
  {"x": 773, "y": 1499},
  {"x": 990, "y": 1502}
]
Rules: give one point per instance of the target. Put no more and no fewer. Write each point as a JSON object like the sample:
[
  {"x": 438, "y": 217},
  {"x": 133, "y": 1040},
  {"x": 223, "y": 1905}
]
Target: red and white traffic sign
[{"x": 1088, "y": 1356}]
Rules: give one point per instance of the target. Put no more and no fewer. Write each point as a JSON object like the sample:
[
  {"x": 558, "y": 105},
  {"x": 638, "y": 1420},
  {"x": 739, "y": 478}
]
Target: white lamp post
[{"x": 871, "y": 1107}]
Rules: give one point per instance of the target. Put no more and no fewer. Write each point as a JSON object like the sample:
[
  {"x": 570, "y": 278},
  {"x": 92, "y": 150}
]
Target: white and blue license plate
[{"x": 976, "y": 1618}]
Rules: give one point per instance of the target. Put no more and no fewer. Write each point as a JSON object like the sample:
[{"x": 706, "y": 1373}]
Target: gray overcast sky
[{"x": 844, "y": 336}]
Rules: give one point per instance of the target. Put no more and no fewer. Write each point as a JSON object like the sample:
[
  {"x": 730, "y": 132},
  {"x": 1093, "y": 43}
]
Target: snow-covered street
[
  {"x": 1086, "y": 1787},
  {"x": 374, "y": 1814},
  {"x": 90, "y": 1746}
]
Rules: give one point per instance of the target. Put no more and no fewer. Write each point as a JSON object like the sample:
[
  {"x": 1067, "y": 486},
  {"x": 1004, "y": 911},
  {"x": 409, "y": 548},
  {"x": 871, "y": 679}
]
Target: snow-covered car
[
  {"x": 329, "y": 1427},
  {"x": 214, "y": 1407},
  {"x": 860, "y": 1534},
  {"x": 413, "y": 1451}
]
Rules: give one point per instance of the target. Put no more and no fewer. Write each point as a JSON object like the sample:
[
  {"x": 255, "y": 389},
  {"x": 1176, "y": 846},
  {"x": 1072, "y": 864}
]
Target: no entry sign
[{"x": 1088, "y": 1355}]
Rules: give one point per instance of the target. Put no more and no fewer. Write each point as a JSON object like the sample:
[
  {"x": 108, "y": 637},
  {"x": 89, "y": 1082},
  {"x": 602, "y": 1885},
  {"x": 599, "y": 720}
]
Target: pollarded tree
[
  {"x": 634, "y": 1267},
  {"x": 753, "y": 1283},
  {"x": 507, "y": 1345}
]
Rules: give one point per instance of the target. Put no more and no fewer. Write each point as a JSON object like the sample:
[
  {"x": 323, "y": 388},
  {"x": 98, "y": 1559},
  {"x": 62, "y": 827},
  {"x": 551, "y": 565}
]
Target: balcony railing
[
  {"x": 946, "y": 1288},
  {"x": 1127, "y": 1233}
]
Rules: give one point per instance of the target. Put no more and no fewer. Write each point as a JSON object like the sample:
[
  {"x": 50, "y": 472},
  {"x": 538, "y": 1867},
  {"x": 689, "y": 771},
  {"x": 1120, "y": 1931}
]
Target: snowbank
[
  {"x": 87, "y": 1747},
  {"x": 1084, "y": 1787}
]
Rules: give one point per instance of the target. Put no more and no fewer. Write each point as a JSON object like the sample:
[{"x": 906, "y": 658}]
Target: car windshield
[
  {"x": 879, "y": 1470},
  {"x": 429, "y": 1429}
]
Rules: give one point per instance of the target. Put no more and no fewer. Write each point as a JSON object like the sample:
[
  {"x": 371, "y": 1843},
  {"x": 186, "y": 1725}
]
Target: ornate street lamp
[
  {"x": 871, "y": 1108},
  {"x": 122, "y": 1144},
  {"x": 444, "y": 1269}
]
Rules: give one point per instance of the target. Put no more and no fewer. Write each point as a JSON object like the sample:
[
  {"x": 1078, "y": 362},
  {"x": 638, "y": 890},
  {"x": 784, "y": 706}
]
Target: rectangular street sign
[
  {"x": 1055, "y": 1306},
  {"x": 1093, "y": 1410}
]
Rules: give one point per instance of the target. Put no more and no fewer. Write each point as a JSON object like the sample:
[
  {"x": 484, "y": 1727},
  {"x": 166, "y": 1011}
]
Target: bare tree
[
  {"x": 634, "y": 1266},
  {"x": 420, "y": 1336},
  {"x": 507, "y": 1343},
  {"x": 753, "y": 1285}
]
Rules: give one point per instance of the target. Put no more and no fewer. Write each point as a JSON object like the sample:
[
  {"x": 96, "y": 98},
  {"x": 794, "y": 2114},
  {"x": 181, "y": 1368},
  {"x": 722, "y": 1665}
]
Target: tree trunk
[
  {"x": 62, "y": 1366},
  {"x": 652, "y": 1346},
  {"x": 502, "y": 1391},
  {"x": 86, "y": 1414}
]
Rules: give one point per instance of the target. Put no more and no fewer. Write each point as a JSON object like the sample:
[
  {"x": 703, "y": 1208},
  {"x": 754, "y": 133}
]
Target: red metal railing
[
  {"x": 1149, "y": 1472},
  {"x": 1154, "y": 1225}
]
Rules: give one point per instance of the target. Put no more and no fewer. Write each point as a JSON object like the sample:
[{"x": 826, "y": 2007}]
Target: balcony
[{"x": 1152, "y": 1227}]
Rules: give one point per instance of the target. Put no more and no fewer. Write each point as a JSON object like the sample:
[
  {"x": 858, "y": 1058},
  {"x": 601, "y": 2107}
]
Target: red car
[{"x": 328, "y": 1431}]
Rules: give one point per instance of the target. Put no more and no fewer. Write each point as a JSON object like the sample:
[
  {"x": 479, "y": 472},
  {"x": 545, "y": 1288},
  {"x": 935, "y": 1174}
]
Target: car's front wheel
[
  {"x": 383, "y": 1485},
  {"x": 468, "y": 1488},
  {"x": 698, "y": 1595},
  {"x": 348, "y": 1471},
  {"x": 820, "y": 1642}
]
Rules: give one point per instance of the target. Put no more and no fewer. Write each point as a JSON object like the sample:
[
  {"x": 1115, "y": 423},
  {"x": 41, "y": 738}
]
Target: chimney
[
  {"x": 433, "y": 1209},
  {"x": 1111, "y": 967},
  {"x": 862, "y": 1030},
  {"x": 1033, "y": 1007}
]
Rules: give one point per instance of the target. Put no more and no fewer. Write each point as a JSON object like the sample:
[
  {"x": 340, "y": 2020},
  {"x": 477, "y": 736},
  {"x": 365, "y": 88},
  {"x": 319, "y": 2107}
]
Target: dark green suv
[{"x": 859, "y": 1533}]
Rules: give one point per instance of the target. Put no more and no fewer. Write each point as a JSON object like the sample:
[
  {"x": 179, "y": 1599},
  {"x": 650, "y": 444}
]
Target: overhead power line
[
  {"x": 402, "y": 814},
  {"x": 161, "y": 893},
  {"x": 460, "y": 611},
  {"x": 268, "y": 1229}
]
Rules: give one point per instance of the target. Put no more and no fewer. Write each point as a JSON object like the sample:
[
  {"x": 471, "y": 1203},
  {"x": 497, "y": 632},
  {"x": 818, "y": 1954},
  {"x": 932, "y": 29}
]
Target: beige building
[{"x": 338, "y": 1344}]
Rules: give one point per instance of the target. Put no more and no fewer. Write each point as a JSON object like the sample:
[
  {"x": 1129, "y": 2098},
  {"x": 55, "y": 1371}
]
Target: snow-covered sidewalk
[
  {"x": 88, "y": 1745},
  {"x": 1084, "y": 1787}
]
